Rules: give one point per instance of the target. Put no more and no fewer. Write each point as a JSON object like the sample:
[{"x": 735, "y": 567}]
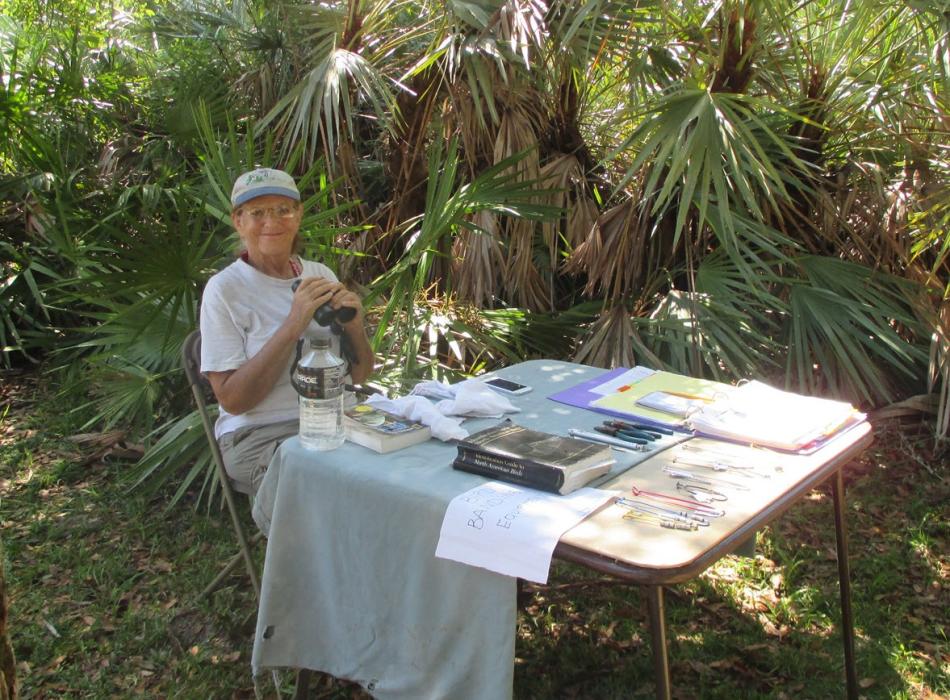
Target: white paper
[
  {"x": 510, "y": 529},
  {"x": 631, "y": 376},
  {"x": 756, "y": 412}
]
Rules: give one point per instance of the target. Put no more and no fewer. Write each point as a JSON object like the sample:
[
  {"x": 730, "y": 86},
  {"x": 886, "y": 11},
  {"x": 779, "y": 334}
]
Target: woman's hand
[
  {"x": 343, "y": 297},
  {"x": 319, "y": 291},
  {"x": 314, "y": 292},
  {"x": 311, "y": 294}
]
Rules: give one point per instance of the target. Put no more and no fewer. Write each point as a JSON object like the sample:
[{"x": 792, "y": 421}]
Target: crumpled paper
[
  {"x": 467, "y": 399},
  {"x": 420, "y": 409},
  {"x": 473, "y": 399}
]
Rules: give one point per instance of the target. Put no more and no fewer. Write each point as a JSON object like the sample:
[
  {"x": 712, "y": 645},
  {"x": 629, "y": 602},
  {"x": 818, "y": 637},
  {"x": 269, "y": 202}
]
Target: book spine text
[{"x": 510, "y": 469}]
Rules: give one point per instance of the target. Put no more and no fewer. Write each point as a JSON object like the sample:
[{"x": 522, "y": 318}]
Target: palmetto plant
[{"x": 732, "y": 188}]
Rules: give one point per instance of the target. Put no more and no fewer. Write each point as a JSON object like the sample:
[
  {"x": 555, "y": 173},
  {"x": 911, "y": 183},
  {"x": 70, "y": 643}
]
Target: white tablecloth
[{"x": 351, "y": 585}]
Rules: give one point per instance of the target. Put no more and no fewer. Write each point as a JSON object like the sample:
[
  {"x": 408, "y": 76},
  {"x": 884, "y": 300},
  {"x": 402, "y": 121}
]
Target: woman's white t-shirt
[{"x": 241, "y": 308}]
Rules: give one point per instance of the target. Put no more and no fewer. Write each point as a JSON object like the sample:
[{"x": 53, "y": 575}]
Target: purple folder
[{"x": 582, "y": 397}]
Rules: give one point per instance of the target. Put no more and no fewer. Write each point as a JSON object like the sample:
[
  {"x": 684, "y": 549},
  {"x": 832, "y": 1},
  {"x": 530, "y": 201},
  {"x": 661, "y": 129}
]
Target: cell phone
[{"x": 507, "y": 386}]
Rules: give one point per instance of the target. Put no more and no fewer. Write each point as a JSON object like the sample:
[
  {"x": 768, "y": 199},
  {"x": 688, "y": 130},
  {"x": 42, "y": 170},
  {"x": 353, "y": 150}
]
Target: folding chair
[
  {"x": 191, "y": 361},
  {"x": 200, "y": 388}
]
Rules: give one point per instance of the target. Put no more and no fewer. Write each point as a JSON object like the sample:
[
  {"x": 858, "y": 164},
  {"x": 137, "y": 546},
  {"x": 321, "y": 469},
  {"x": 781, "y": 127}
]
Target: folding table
[{"x": 351, "y": 586}]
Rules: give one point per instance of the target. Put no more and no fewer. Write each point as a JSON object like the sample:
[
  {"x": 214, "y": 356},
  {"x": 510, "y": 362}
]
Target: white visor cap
[{"x": 257, "y": 183}]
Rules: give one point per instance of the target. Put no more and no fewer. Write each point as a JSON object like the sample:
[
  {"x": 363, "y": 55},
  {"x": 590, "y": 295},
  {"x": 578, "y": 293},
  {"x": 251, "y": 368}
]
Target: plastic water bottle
[{"x": 318, "y": 379}]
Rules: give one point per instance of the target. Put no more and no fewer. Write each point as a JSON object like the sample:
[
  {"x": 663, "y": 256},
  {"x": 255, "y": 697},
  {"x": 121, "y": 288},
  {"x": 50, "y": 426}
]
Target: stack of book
[
  {"x": 380, "y": 431},
  {"x": 513, "y": 453}
]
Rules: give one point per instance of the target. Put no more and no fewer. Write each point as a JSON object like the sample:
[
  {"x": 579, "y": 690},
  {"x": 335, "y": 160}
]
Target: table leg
[
  {"x": 302, "y": 691},
  {"x": 661, "y": 668},
  {"x": 844, "y": 584}
]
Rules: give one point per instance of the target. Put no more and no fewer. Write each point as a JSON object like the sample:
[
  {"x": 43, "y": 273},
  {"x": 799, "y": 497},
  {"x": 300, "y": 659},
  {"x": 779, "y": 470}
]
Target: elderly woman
[{"x": 252, "y": 320}]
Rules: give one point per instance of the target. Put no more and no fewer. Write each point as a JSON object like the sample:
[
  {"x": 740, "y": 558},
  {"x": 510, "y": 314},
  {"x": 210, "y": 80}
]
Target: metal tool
[
  {"x": 717, "y": 466},
  {"x": 698, "y": 478},
  {"x": 663, "y": 511},
  {"x": 662, "y": 522},
  {"x": 617, "y": 444},
  {"x": 701, "y": 493},
  {"x": 704, "y": 509}
]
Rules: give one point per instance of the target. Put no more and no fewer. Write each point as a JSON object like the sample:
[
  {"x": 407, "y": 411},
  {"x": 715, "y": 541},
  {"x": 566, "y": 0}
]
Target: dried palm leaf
[
  {"x": 909, "y": 407},
  {"x": 614, "y": 256},
  {"x": 518, "y": 133},
  {"x": 939, "y": 368},
  {"x": 462, "y": 115},
  {"x": 581, "y": 217},
  {"x": 522, "y": 26},
  {"x": 524, "y": 283},
  {"x": 557, "y": 176},
  {"x": 478, "y": 261},
  {"x": 564, "y": 177},
  {"x": 609, "y": 342}
]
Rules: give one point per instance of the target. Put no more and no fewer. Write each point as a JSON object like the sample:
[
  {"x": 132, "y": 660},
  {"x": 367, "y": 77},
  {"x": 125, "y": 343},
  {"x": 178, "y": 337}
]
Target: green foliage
[
  {"x": 450, "y": 206},
  {"x": 847, "y": 319},
  {"x": 737, "y": 189}
]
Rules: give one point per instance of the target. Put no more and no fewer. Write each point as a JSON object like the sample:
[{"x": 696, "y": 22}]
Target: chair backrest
[
  {"x": 191, "y": 362},
  {"x": 201, "y": 389},
  {"x": 191, "y": 359}
]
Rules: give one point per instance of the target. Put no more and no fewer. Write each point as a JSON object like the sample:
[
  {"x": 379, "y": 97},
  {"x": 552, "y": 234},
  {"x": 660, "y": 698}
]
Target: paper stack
[{"x": 757, "y": 413}]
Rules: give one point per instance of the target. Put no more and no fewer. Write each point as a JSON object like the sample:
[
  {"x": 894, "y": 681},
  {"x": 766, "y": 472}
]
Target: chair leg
[
  {"x": 228, "y": 568},
  {"x": 223, "y": 574}
]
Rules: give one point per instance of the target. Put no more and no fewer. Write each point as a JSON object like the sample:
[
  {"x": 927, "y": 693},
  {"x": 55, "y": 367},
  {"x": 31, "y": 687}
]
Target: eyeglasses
[{"x": 258, "y": 214}]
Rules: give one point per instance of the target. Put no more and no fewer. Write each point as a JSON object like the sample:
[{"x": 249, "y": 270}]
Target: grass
[{"x": 104, "y": 588}]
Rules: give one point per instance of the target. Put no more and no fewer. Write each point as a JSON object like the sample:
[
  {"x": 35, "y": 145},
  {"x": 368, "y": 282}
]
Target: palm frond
[
  {"x": 713, "y": 148},
  {"x": 318, "y": 113},
  {"x": 608, "y": 342},
  {"x": 844, "y": 331},
  {"x": 181, "y": 444}
]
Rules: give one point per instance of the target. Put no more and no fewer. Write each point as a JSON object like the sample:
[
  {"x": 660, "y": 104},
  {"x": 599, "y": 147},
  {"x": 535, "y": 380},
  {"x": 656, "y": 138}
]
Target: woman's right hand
[{"x": 311, "y": 294}]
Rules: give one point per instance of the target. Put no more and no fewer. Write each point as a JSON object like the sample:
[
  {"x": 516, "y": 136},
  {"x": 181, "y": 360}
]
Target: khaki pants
[{"x": 247, "y": 452}]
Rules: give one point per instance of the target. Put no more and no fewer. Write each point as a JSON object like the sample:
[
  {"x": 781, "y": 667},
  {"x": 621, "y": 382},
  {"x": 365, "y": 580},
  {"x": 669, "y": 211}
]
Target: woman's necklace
[{"x": 296, "y": 267}]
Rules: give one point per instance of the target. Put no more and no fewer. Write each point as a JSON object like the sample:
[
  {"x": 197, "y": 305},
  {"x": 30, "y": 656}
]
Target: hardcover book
[
  {"x": 381, "y": 431},
  {"x": 513, "y": 453}
]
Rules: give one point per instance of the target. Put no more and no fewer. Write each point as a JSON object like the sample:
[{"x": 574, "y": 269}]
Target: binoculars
[{"x": 326, "y": 315}]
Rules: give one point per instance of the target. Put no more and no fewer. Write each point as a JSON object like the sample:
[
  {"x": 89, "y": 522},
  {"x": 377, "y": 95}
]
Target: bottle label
[{"x": 319, "y": 382}]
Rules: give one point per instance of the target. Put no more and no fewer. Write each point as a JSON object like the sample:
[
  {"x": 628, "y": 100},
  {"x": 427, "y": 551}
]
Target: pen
[
  {"x": 611, "y": 429},
  {"x": 603, "y": 439},
  {"x": 624, "y": 425},
  {"x": 691, "y": 397},
  {"x": 627, "y": 447}
]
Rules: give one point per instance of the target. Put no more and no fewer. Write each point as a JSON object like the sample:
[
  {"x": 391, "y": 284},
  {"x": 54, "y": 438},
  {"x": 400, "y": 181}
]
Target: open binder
[
  {"x": 752, "y": 413},
  {"x": 759, "y": 414}
]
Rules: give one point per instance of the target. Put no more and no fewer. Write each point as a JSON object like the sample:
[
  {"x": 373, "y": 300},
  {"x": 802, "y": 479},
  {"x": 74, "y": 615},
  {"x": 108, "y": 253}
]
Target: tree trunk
[{"x": 7, "y": 662}]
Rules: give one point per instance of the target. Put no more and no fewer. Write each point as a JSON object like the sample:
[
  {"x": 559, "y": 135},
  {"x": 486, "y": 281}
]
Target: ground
[{"x": 104, "y": 587}]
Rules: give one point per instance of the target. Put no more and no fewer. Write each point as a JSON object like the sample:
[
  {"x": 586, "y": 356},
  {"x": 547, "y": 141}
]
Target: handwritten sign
[{"x": 510, "y": 529}]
